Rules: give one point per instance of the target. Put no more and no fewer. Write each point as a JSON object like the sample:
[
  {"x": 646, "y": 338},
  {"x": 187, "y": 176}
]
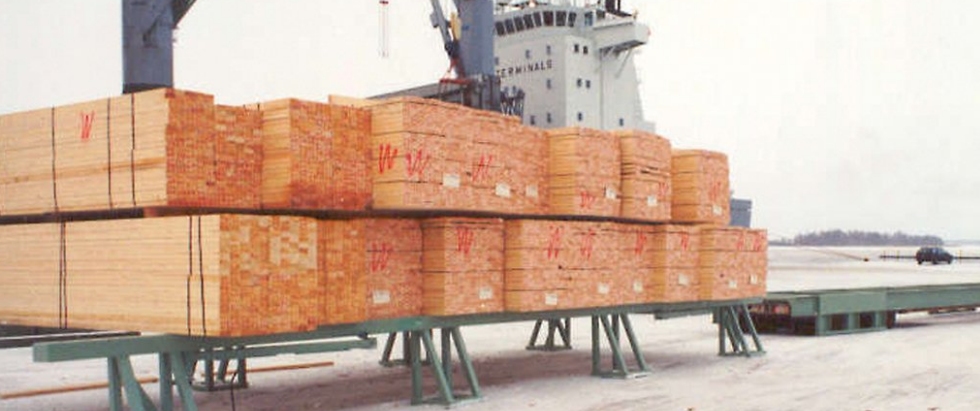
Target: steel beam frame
[{"x": 178, "y": 355}]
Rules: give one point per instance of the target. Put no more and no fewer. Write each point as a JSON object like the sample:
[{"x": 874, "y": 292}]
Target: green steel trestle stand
[
  {"x": 406, "y": 360},
  {"x": 217, "y": 378},
  {"x": 612, "y": 325},
  {"x": 175, "y": 371},
  {"x": 442, "y": 367},
  {"x": 733, "y": 324},
  {"x": 560, "y": 326}
]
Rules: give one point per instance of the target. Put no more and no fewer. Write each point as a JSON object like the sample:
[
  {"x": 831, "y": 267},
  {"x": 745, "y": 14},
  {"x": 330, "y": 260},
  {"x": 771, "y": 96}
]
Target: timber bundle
[{"x": 164, "y": 212}]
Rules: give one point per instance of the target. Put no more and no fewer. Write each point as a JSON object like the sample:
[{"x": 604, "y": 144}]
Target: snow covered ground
[{"x": 927, "y": 363}]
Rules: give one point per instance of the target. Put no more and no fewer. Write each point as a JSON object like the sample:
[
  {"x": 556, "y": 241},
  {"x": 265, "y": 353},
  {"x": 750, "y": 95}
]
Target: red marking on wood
[
  {"x": 386, "y": 157},
  {"x": 662, "y": 191},
  {"x": 715, "y": 192},
  {"x": 417, "y": 162},
  {"x": 641, "y": 243},
  {"x": 87, "y": 120},
  {"x": 587, "y": 200},
  {"x": 465, "y": 238},
  {"x": 685, "y": 241},
  {"x": 588, "y": 244},
  {"x": 554, "y": 243},
  {"x": 740, "y": 246},
  {"x": 759, "y": 242},
  {"x": 482, "y": 170},
  {"x": 380, "y": 255}
]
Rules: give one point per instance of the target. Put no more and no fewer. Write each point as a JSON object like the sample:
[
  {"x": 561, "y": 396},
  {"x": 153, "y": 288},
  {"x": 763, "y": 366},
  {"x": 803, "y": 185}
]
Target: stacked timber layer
[
  {"x": 462, "y": 266},
  {"x": 732, "y": 263},
  {"x": 439, "y": 156},
  {"x": 671, "y": 258},
  {"x": 584, "y": 172},
  {"x": 373, "y": 269},
  {"x": 700, "y": 187},
  {"x": 217, "y": 275},
  {"x": 157, "y": 148},
  {"x": 646, "y": 182},
  {"x": 315, "y": 155},
  {"x": 566, "y": 264}
]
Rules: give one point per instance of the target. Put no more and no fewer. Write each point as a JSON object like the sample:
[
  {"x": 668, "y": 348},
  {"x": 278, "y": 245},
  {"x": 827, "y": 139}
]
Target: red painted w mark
[
  {"x": 662, "y": 191},
  {"x": 482, "y": 169},
  {"x": 588, "y": 244},
  {"x": 587, "y": 200},
  {"x": 87, "y": 120},
  {"x": 641, "y": 243},
  {"x": 759, "y": 242},
  {"x": 554, "y": 243},
  {"x": 380, "y": 255},
  {"x": 464, "y": 240},
  {"x": 386, "y": 157},
  {"x": 417, "y": 162},
  {"x": 685, "y": 241},
  {"x": 740, "y": 246},
  {"x": 715, "y": 193}
]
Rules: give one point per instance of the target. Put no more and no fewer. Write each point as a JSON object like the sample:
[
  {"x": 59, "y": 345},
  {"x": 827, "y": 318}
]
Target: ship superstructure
[{"x": 573, "y": 62}]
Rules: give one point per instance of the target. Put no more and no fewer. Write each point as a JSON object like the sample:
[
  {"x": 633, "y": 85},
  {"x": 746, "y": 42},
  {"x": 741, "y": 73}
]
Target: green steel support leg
[
  {"x": 166, "y": 383},
  {"x": 414, "y": 352},
  {"x": 466, "y": 362},
  {"x": 389, "y": 346},
  {"x": 135, "y": 396},
  {"x": 596, "y": 355},
  {"x": 820, "y": 325},
  {"x": 182, "y": 366},
  {"x": 447, "y": 353},
  {"x": 567, "y": 333},
  {"x": 732, "y": 324},
  {"x": 634, "y": 344},
  {"x": 445, "y": 391},
  {"x": 115, "y": 385},
  {"x": 534, "y": 335},
  {"x": 619, "y": 363},
  {"x": 222, "y": 373},
  {"x": 560, "y": 327},
  {"x": 752, "y": 330}
]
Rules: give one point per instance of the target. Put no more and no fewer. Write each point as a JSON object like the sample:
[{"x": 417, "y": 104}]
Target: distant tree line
[{"x": 864, "y": 238}]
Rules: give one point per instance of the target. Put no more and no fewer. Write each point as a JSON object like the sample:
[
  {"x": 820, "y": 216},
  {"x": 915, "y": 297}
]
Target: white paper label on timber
[
  {"x": 550, "y": 299},
  {"x": 754, "y": 279},
  {"x": 637, "y": 286},
  {"x": 652, "y": 201},
  {"x": 450, "y": 180},
  {"x": 683, "y": 280},
  {"x": 732, "y": 284},
  {"x": 486, "y": 293},
  {"x": 531, "y": 191},
  {"x": 503, "y": 190},
  {"x": 381, "y": 296},
  {"x": 610, "y": 193},
  {"x": 603, "y": 288},
  {"x": 716, "y": 209}
]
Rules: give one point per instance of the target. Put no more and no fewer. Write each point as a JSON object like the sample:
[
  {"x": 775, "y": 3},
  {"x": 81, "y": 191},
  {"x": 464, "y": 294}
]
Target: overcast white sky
[{"x": 852, "y": 114}]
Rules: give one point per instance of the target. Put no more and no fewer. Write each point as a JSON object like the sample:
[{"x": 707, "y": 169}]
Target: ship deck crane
[{"x": 468, "y": 40}]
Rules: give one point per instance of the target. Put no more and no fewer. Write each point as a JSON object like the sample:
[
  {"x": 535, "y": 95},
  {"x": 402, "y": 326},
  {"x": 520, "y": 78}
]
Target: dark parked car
[{"x": 933, "y": 255}]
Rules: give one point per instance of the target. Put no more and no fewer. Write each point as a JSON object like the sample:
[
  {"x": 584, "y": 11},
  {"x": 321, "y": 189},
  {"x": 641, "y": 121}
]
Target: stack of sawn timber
[
  {"x": 176, "y": 148},
  {"x": 157, "y": 148},
  {"x": 700, "y": 187},
  {"x": 431, "y": 155},
  {"x": 732, "y": 263},
  {"x": 314, "y": 155},
  {"x": 646, "y": 176}
]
